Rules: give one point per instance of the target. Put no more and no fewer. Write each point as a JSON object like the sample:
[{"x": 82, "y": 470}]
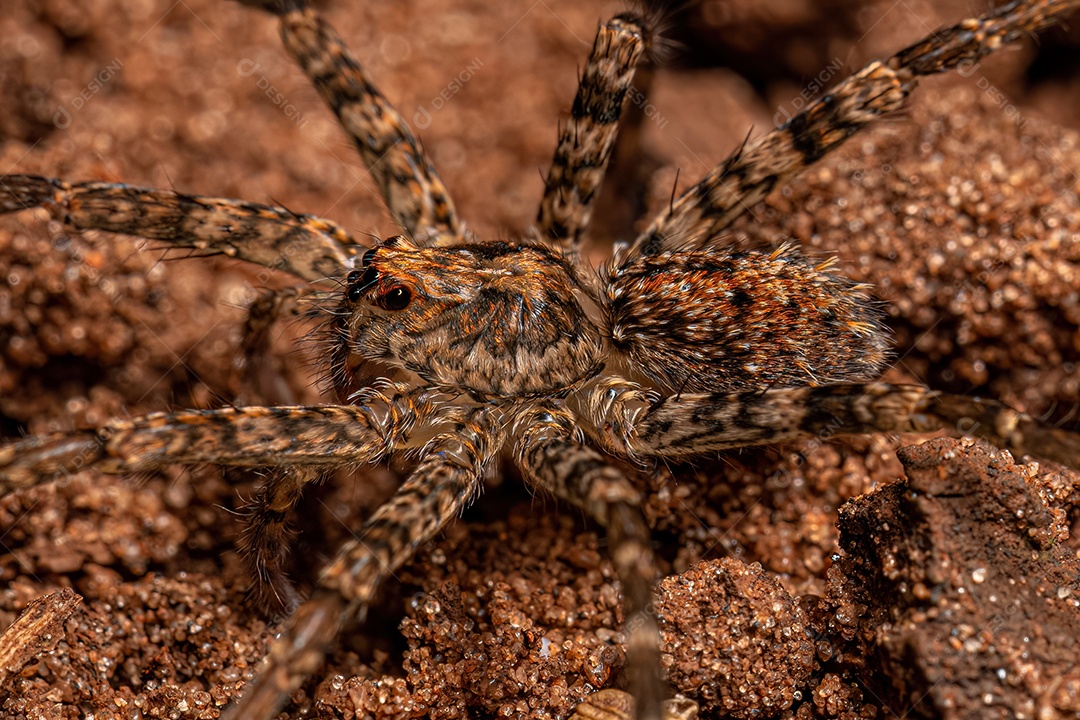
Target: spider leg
[
  {"x": 692, "y": 424},
  {"x": 412, "y": 189},
  {"x": 446, "y": 481},
  {"x": 552, "y": 455},
  {"x": 256, "y": 367},
  {"x": 586, "y": 140},
  {"x": 287, "y": 436},
  {"x": 305, "y": 246},
  {"x": 760, "y": 166},
  {"x": 265, "y": 542}
]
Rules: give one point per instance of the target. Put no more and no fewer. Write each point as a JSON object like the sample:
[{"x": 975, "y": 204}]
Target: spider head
[{"x": 494, "y": 319}]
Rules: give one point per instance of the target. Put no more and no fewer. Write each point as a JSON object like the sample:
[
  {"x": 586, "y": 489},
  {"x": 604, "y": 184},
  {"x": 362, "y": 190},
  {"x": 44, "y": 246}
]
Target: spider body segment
[
  {"x": 722, "y": 320},
  {"x": 496, "y": 320},
  {"x": 679, "y": 346},
  {"x": 503, "y": 320}
]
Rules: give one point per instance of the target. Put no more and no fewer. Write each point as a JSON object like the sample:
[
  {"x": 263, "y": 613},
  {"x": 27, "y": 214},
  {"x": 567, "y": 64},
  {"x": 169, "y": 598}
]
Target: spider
[{"x": 479, "y": 346}]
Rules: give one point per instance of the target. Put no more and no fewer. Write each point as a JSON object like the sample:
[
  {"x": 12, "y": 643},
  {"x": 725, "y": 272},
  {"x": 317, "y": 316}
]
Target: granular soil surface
[{"x": 946, "y": 586}]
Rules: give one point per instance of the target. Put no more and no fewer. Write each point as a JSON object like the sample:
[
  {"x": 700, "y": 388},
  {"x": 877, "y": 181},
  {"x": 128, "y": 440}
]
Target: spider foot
[{"x": 611, "y": 704}]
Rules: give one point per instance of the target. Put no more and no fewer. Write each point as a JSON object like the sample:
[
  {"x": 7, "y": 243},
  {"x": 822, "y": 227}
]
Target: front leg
[
  {"x": 307, "y": 247},
  {"x": 413, "y": 191},
  {"x": 446, "y": 481},
  {"x": 321, "y": 436},
  {"x": 587, "y": 139}
]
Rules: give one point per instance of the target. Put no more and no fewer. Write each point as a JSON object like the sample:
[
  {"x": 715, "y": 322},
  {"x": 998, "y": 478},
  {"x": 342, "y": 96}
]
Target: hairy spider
[{"x": 481, "y": 346}]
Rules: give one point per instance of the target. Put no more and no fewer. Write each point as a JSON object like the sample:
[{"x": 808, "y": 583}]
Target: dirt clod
[
  {"x": 734, "y": 639},
  {"x": 968, "y": 591}
]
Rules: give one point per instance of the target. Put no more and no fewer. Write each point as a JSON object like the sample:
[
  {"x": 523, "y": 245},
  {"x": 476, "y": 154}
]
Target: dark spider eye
[
  {"x": 396, "y": 298},
  {"x": 366, "y": 258},
  {"x": 358, "y": 282}
]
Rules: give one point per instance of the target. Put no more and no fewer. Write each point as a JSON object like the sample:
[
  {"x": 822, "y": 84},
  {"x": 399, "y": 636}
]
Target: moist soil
[{"x": 837, "y": 577}]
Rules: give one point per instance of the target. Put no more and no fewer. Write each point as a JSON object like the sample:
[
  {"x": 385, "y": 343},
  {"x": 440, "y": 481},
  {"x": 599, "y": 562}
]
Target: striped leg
[
  {"x": 265, "y": 544},
  {"x": 291, "y": 436},
  {"x": 448, "y": 478},
  {"x": 552, "y": 456},
  {"x": 586, "y": 140},
  {"x": 409, "y": 184},
  {"x": 256, "y": 369},
  {"x": 758, "y": 167},
  {"x": 693, "y": 424},
  {"x": 305, "y": 246}
]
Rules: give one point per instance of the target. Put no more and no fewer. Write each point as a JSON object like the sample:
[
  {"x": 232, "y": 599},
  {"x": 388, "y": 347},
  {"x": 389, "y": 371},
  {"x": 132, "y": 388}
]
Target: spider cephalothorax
[
  {"x": 492, "y": 319},
  {"x": 682, "y": 345}
]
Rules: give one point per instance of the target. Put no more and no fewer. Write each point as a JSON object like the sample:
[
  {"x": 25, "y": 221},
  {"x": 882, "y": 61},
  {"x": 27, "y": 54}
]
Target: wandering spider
[{"x": 534, "y": 399}]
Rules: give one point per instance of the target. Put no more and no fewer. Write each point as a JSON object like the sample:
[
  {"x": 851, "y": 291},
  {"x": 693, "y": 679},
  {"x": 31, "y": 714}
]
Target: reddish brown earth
[{"x": 956, "y": 592}]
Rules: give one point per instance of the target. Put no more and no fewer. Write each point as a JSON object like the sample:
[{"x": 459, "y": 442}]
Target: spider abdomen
[{"x": 710, "y": 321}]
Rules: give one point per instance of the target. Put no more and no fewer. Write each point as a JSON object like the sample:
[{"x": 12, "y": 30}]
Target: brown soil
[{"x": 956, "y": 592}]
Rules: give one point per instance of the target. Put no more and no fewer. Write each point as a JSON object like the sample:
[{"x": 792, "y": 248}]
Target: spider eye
[
  {"x": 367, "y": 257},
  {"x": 358, "y": 282},
  {"x": 396, "y": 298}
]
